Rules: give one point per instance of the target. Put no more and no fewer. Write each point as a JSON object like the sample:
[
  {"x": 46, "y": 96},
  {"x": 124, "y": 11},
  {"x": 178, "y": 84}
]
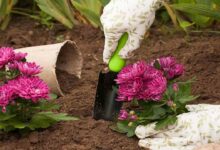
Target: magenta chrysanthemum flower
[
  {"x": 30, "y": 88},
  {"x": 123, "y": 115},
  {"x": 20, "y": 56},
  {"x": 6, "y": 55},
  {"x": 170, "y": 67},
  {"x": 6, "y": 95},
  {"x": 140, "y": 81},
  {"x": 27, "y": 68}
]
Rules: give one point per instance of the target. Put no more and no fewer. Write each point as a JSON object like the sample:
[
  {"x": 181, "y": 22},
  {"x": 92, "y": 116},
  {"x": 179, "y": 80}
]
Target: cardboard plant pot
[{"x": 61, "y": 56}]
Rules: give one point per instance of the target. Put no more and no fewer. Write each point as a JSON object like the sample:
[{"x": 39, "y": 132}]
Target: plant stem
[
  {"x": 195, "y": 31},
  {"x": 25, "y": 14}
]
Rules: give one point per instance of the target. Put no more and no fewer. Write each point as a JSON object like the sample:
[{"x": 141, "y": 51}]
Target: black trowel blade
[{"x": 106, "y": 107}]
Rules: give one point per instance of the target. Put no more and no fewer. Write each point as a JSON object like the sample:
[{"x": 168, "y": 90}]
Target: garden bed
[{"x": 200, "y": 53}]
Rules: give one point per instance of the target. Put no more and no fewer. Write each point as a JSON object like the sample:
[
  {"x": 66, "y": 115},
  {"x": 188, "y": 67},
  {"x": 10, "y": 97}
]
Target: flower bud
[
  {"x": 130, "y": 124},
  {"x": 123, "y": 115},
  {"x": 170, "y": 103},
  {"x": 132, "y": 112},
  {"x": 3, "y": 109},
  {"x": 175, "y": 87},
  {"x": 13, "y": 103},
  {"x": 133, "y": 117}
]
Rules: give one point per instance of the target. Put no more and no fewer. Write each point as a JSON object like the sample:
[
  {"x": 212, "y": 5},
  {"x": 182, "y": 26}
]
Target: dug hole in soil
[{"x": 200, "y": 53}]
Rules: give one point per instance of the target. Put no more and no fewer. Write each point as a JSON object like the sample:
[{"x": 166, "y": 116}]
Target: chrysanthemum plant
[
  {"x": 25, "y": 101},
  {"x": 153, "y": 93}
]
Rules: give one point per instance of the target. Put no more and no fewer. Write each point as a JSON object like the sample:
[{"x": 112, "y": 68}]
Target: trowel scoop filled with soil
[{"x": 106, "y": 107}]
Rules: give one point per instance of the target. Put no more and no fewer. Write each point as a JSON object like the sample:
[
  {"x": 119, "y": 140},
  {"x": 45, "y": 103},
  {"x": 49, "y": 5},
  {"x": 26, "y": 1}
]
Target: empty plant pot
[{"x": 61, "y": 56}]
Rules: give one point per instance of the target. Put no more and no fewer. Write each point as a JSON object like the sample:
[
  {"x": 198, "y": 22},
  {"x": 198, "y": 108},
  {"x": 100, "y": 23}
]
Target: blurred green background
[{"x": 185, "y": 15}]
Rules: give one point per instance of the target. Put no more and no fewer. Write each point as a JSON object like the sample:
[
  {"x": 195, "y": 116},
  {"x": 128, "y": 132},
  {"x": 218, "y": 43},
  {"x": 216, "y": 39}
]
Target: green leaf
[
  {"x": 150, "y": 104},
  {"x": 184, "y": 96},
  {"x": 9, "y": 128},
  {"x": 58, "y": 116},
  {"x": 184, "y": 89},
  {"x": 6, "y": 116},
  {"x": 155, "y": 114},
  {"x": 171, "y": 13},
  {"x": 5, "y": 22},
  {"x": 90, "y": 9},
  {"x": 200, "y": 20},
  {"x": 194, "y": 12},
  {"x": 44, "y": 19},
  {"x": 115, "y": 128},
  {"x": 3, "y": 125},
  {"x": 185, "y": 24},
  {"x": 157, "y": 65},
  {"x": 169, "y": 91},
  {"x": 131, "y": 132},
  {"x": 5, "y": 11},
  {"x": 217, "y": 2},
  {"x": 53, "y": 96},
  {"x": 170, "y": 120},
  {"x": 2, "y": 74},
  {"x": 104, "y": 2},
  {"x": 186, "y": 1},
  {"x": 16, "y": 123},
  {"x": 40, "y": 121},
  {"x": 46, "y": 119},
  {"x": 46, "y": 105},
  {"x": 199, "y": 9},
  {"x": 186, "y": 99},
  {"x": 122, "y": 127},
  {"x": 165, "y": 16},
  {"x": 15, "y": 118},
  {"x": 134, "y": 103},
  {"x": 59, "y": 9}
]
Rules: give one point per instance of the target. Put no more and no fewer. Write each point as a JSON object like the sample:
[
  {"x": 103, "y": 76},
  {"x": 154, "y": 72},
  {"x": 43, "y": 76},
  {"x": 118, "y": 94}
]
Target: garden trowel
[{"x": 106, "y": 107}]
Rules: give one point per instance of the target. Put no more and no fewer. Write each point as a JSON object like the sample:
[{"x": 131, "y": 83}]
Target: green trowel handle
[{"x": 116, "y": 63}]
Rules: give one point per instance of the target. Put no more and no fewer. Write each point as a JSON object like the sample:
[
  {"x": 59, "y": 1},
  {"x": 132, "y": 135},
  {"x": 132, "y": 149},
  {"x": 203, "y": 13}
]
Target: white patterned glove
[
  {"x": 131, "y": 16},
  {"x": 199, "y": 126}
]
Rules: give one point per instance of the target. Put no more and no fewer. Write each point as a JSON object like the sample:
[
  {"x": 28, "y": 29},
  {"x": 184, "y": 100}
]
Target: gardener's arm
[{"x": 131, "y": 16}]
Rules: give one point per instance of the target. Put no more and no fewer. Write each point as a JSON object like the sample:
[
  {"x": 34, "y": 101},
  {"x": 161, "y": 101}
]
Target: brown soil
[{"x": 199, "y": 53}]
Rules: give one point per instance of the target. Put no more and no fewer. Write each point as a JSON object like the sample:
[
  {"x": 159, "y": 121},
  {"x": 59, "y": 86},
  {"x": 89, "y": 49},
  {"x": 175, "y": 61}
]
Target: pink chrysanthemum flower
[
  {"x": 27, "y": 68},
  {"x": 6, "y": 55},
  {"x": 30, "y": 88},
  {"x": 6, "y": 96},
  {"x": 20, "y": 56},
  {"x": 170, "y": 67},
  {"x": 140, "y": 81}
]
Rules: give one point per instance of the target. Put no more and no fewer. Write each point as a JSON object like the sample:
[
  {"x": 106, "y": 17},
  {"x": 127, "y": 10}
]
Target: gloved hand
[
  {"x": 131, "y": 16},
  {"x": 199, "y": 126}
]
